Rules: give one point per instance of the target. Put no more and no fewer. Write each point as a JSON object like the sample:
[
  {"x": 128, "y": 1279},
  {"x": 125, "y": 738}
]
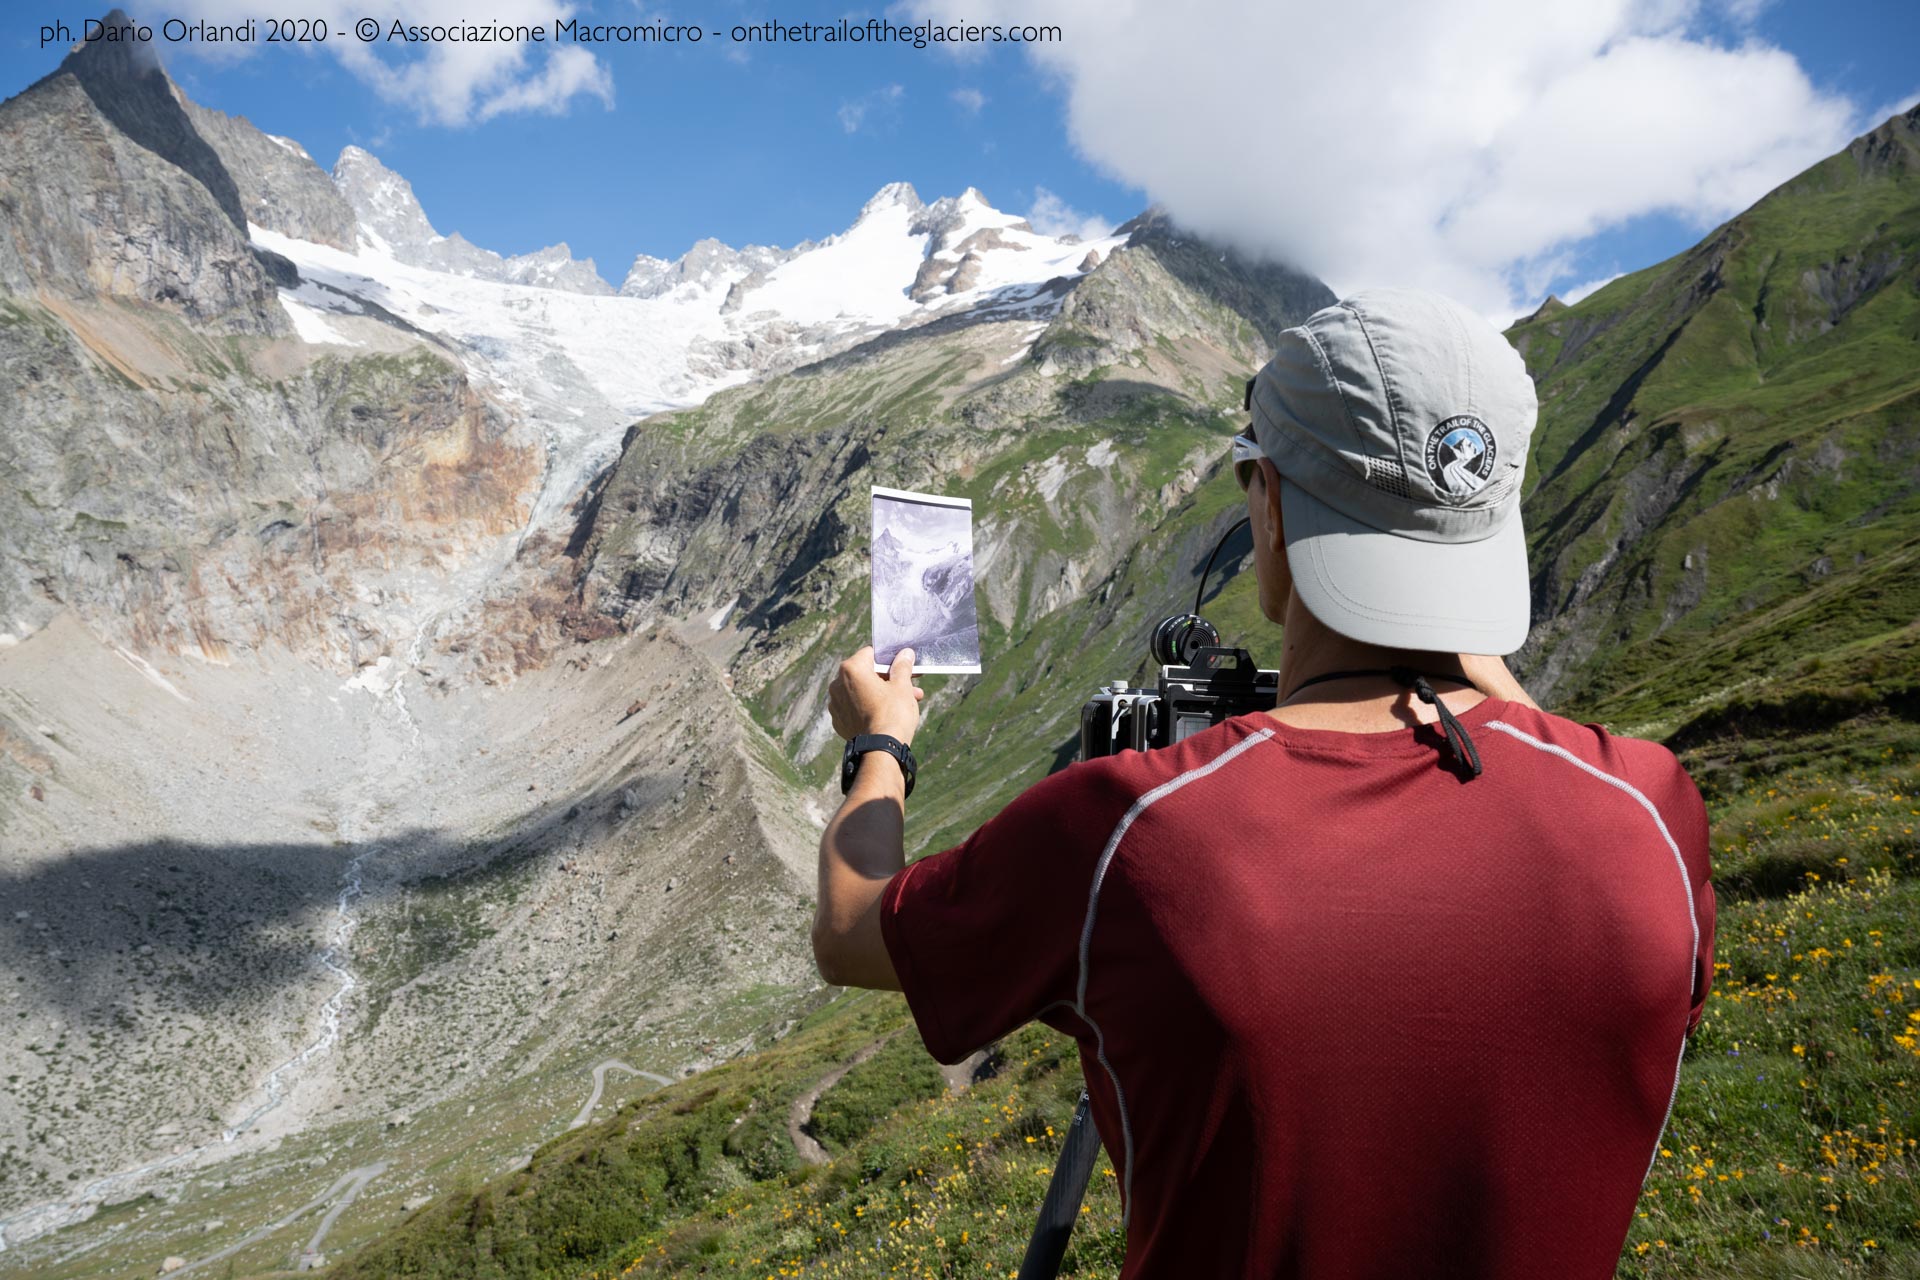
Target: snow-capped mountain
[{"x": 582, "y": 363}]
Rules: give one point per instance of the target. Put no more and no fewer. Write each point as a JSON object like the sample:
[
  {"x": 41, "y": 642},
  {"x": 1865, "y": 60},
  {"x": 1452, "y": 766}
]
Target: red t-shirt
[{"x": 1341, "y": 1013}]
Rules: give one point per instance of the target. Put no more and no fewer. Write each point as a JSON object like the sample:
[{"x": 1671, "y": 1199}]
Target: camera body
[{"x": 1202, "y": 682}]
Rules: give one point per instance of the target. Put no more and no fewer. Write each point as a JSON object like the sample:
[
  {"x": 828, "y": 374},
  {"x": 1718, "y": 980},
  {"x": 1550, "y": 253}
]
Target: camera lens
[{"x": 1178, "y": 638}]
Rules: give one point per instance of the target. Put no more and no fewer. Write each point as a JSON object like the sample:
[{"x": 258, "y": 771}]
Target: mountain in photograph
[
  {"x": 413, "y": 741},
  {"x": 922, "y": 585}
]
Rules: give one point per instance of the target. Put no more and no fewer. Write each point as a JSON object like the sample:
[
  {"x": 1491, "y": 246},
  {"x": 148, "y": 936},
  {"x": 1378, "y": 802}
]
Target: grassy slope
[{"x": 1792, "y": 1148}]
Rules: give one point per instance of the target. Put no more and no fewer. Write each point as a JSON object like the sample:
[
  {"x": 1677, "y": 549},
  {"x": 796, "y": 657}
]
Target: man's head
[{"x": 1392, "y": 430}]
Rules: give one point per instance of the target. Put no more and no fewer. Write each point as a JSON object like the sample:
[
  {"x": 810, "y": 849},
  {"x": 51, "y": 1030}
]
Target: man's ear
[{"x": 1270, "y": 484}]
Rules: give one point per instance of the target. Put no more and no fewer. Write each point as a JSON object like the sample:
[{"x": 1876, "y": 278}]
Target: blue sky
[{"x": 779, "y": 144}]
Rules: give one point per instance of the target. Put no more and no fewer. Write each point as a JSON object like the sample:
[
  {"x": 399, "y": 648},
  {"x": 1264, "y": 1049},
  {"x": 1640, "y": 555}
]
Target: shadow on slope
[{"x": 220, "y": 924}]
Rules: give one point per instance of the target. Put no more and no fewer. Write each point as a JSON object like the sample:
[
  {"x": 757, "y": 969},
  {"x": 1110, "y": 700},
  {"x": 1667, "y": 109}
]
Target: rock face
[
  {"x": 180, "y": 518},
  {"x": 210, "y": 521},
  {"x": 1176, "y": 287},
  {"x": 960, "y": 231},
  {"x": 1270, "y": 295},
  {"x": 279, "y": 186},
  {"x": 114, "y": 193},
  {"x": 391, "y": 217}
]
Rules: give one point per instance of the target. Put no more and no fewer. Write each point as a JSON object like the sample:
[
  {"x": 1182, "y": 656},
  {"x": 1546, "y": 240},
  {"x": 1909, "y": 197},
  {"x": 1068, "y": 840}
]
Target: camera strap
[{"x": 1459, "y": 742}]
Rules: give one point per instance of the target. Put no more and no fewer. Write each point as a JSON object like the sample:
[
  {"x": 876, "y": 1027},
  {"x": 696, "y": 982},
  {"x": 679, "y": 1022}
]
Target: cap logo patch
[{"x": 1459, "y": 455}]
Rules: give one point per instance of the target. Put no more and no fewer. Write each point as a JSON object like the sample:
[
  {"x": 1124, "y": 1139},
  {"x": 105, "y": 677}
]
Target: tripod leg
[{"x": 1071, "y": 1173}]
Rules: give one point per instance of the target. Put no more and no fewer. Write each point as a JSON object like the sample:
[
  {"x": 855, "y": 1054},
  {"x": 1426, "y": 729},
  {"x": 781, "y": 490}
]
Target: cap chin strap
[{"x": 1459, "y": 742}]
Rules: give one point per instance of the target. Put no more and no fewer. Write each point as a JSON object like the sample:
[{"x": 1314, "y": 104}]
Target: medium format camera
[{"x": 1202, "y": 682}]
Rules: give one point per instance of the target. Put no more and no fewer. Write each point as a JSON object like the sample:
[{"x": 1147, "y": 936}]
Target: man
[{"x": 1391, "y": 981}]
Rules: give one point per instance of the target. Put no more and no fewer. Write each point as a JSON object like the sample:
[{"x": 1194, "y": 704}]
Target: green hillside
[
  {"x": 1723, "y": 486},
  {"x": 1725, "y": 526}
]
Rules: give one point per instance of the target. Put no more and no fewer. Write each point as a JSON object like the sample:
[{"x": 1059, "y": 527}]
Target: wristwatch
[{"x": 850, "y": 759}]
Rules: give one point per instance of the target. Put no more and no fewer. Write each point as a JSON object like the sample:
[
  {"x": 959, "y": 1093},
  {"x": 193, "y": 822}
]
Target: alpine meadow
[{"x": 413, "y": 740}]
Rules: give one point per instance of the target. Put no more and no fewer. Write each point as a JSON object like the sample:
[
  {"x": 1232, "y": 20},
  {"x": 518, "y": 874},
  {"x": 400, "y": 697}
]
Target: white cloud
[
  {"x": 1052, "y": 216},
  {"x": 970, "y": 100},
  {"x": 1745, "y": 12},
  {"x": 1589, "y": 288},
  {"x": 1470, "y": 146},
  {"x": 876, "y": 108},
  {"x": 570, "y": 71},
  {"x": 1887, "y": 110},
  {"x": 451, "y": 82}
]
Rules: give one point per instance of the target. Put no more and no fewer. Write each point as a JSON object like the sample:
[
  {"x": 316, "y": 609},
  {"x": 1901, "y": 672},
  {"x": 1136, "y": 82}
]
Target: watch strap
[{"x": 865, "y": 742}]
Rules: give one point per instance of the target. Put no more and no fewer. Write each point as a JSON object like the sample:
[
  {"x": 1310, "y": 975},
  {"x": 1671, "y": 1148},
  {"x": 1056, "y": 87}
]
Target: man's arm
[{"x": 864, "y": 845}]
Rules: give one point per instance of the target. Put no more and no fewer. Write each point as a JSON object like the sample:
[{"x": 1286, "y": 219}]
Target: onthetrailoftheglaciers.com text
[{"x": 371, "y": 30}]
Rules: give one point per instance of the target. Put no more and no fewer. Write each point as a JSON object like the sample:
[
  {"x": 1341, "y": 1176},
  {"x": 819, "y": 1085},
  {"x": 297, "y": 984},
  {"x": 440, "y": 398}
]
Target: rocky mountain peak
[
  {"x": 709, "y": 264},
  {"x": 958, "y": 224},
  {"x": 895, "y": 195},
  {"x": 115, "y": 50},
  {"x": 644, "y": 276},
  {"x": 1125, "y": 295},
  {"x": 123, "y": 78},
  {"x": 113, "y": 191},
  {"x": 392, "y": 221},
  {"x": 384, "y": 203},
  {"x": 1552, "y": 306},
  {"x": 280, "y": 186},
  {"x": 1894, "y": 147}
]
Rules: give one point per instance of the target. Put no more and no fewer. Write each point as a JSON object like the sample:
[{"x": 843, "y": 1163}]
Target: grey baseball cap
[{"x": 1399, "y": 421}]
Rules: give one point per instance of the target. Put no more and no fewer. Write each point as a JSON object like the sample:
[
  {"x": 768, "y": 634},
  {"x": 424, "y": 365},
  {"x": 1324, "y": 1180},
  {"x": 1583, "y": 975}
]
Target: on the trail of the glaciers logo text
[{"x": 1459, "y": 455}]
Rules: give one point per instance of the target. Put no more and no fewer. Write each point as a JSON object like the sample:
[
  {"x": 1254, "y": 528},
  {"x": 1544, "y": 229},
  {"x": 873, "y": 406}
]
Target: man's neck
[{"x": 1312, "y": 650}]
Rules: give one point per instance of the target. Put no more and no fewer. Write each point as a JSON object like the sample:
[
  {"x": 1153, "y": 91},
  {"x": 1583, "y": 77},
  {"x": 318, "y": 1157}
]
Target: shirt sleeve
[
  {"x": 985, "y": 936},
  {"x": 1665, "y": 782}
]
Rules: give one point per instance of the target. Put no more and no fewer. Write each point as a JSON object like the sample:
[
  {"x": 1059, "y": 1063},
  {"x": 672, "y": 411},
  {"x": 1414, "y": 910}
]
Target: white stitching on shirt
[
  {"x": 1685, "y": 880},
  {"x": 1086, "y": 942}
]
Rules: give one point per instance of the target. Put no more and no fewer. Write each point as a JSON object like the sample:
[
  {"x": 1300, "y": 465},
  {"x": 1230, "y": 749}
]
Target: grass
[
  {"x": 899, "y": 1074},
  {"x": 1796, "y": 1132}
]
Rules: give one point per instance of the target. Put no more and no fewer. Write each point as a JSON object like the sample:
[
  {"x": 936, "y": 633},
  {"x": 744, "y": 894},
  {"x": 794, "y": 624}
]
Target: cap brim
[{"x": 1384, "y": 589}]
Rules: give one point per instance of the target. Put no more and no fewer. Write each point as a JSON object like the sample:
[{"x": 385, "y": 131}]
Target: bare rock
[
  {"x": 116, "y": 194},
  {"x": 966, "y": 275},
  {"x": 279, "y": 185}
]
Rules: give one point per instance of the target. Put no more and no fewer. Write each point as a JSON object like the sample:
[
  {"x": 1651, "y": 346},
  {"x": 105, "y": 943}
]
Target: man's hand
[{"x": 861, "y": 700}]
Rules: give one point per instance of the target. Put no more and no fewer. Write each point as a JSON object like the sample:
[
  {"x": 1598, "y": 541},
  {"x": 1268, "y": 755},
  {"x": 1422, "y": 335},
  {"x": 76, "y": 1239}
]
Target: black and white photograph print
[{"x": 923, "y": 582}]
